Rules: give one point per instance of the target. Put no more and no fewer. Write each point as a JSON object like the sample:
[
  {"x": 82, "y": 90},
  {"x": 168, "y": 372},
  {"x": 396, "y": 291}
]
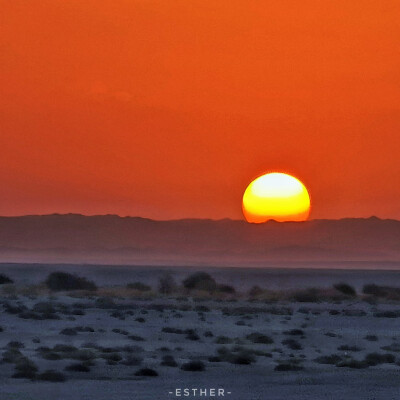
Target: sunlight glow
[{"x": 276, "y": 196}]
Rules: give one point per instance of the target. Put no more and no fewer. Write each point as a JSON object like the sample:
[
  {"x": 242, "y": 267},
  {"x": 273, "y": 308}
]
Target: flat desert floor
[{"x": 92, "y": 346}]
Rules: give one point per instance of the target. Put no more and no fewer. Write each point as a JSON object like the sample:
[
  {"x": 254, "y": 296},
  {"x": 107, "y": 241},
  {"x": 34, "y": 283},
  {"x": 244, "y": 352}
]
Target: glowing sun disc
[{"x": 277, "y": 196}]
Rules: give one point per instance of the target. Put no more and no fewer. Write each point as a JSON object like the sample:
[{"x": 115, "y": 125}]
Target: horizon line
[{"x": 191, "y": 218}]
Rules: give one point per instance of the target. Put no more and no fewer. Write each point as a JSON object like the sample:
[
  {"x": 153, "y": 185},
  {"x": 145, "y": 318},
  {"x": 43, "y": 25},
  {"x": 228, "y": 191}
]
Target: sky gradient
[{"x": 168, "y": 109}]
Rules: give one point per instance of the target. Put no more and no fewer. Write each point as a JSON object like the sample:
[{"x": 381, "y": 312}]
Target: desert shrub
[
  {"x": 136, "y": 338},
  {"x": 68, "y": 332},
  {"x": 166, "y": 284},
  {"x": 169, "y": 361},
  {"x": 132, "y": 360},
  {"x": 51, "y": 376},
  {"x": 346, "y": 347},
  {"x": 306, "y": 296},
  {"x": 12, "y": 356},
  {"x": 146, "y": 372},
  {"x": 373, "y": 359},
  {"x": 292, "y": 344},
  {"x": 255, "y": 291},
  {"x": 371, "y": 338},
  {"x": 381, "y": 291},
  {"x": 288, "y": 367},
  {"x": 256, "y": 337},
  {"x": 242, "y": 358},
  {"x": 120, "y": 331},
  {"x": 200, "y": 281},
  {"x": 192, "y": 335},
  {"x": 25, "y": 369},
  {"x": 14, "y": 344},
  {"x": 333, "y": 359},
  {"x": 387, "y": 314},
  {"x": 345, "y": 289},
  {"x": 226, "y": 289},
  {"x": 77, "y": 367},
  {"x": 105, "y": 303},
  {"x": 197, "y": 366},
  {"x": 223, "y": 340},
  {"x": 64, "y": 348},
  {"x": 168, "y": 329},
  {"x": 59, "y": 281},
  {"x": 392, "y": 347},
  {"x": 4, "y": 279},
  {"x": 111, "y": 357},
  {"x": 352, "y": 363},
  {"x": 354, "y": 313},
  {"x": 139, "y": 286},
  {"x": 294, "y": 332}
]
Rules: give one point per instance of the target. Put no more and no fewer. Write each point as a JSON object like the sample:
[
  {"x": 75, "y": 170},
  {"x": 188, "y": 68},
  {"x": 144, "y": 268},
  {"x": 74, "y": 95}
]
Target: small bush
[
  {"x": 51, "y": 376},
  {"x": 14, "y": 344},
  {"x": 166, "y": 284},
  {"x": 196, "y": 366},
  {"x": 351, "y": 363},
  {"x": 200, "y": 281},
  {"x": 223, "y": 340},
  {"x": 69, "y": 332},
  {"x": 333, "y": 359},
  {"x": 59, "y": 281},
  {"x": 294, "y": 332},
  {"x": 306, "y": 296},
  {"x": 292, "y": 344},
  {"x": 78, "y": 367},
  {"x": 139, "y": 286},
  {"x": 169, "y": 361},
  {"x": 346, "y": 347},
  {"x": 371, "y": 338},
  {"x": 132, "y": 360},
  {"x": 288, "y": 367},
  {"x": 136, "y": 338},
  {"x": 226, "y": 289},
  {"x": 146, "y": 372},
  {"x": 373, "y": 359},
  {"x": 345, "y": 289},
  {"x": 25, "y": 369},
  {"x": 382, "y": 291},
  {"x": 255, "y": 291},
  {"x": 4, "y": 279},
  {"x": 256, "y": 337}
]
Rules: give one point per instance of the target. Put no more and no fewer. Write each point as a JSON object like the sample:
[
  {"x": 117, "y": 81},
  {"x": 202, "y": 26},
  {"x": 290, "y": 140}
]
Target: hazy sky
[{"x": 168, "y": 109}]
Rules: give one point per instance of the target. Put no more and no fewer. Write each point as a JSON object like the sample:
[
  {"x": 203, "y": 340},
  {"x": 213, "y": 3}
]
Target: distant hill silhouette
[{"x": 111, "y": 239}]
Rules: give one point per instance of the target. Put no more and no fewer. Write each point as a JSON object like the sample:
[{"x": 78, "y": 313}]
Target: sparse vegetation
[
  {"x": 200, "y": 281},
  {"x": 77, "y": 367},
  {"x": 60, "y": 281},
  {"x": 345, "y": 289},
  {"x": 146, "y": 372},
  {"x": 169, "y": 361},
  {"x": 373, "y": 359},
  {"x": 51, "y": 376},
  {"x": 4, "y": 279},
  {"x": 139, "y": 286},
  {"x": 257, "y": 337},
  {"x": 166, "y": 284},
  {"x": 195, "y": 366}
]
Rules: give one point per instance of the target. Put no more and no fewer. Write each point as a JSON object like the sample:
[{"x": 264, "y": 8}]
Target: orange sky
[{"x": 167, "y": 109}]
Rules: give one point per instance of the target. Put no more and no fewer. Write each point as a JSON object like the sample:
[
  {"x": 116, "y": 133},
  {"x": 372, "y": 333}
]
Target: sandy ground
[{"x": 140, "y": 333}]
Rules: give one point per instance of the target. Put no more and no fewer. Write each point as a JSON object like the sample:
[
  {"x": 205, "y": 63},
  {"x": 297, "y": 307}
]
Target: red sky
[{"x": 167, "y": 109}]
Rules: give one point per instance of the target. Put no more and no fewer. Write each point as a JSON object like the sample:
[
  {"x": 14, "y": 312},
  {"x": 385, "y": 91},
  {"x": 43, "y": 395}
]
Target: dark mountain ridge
[{"x": 113, "y": 239}]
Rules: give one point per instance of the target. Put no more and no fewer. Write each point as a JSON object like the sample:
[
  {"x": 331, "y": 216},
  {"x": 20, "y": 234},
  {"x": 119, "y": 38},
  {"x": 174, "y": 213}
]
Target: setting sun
[{"x": 276, "y": 196}]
